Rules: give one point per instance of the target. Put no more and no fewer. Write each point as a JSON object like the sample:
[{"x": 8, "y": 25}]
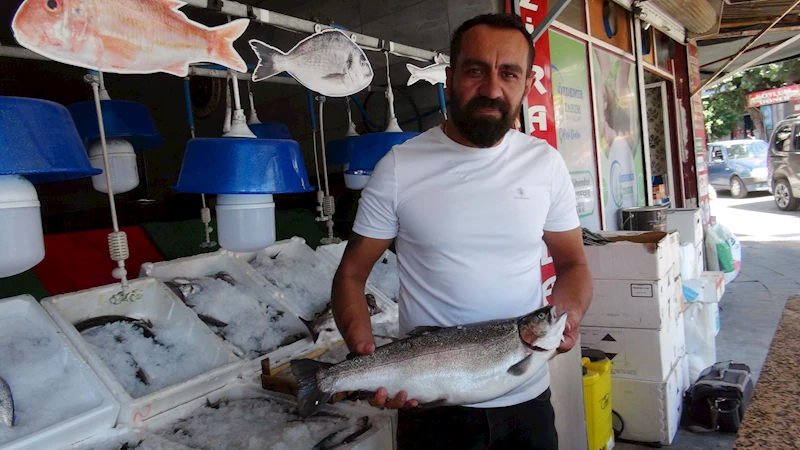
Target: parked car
[
  {"x": 784, "y": 163},
  {"x": 739, "y": 166}
]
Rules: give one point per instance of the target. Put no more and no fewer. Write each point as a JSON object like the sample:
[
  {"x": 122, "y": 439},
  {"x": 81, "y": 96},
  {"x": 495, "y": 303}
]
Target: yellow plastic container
[{"x": 597, "y": 400}]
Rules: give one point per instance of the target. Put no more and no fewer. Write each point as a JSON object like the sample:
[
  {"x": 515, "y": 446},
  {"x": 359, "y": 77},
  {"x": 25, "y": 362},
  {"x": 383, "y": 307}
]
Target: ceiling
[{"x": 739, "y": 22}]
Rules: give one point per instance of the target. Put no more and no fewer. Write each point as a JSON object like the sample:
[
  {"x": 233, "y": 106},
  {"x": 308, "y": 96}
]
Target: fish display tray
[
  {"x": 383, "y": 281},
  {"x": 379, "y": 437},
  {"x": 297, "y": 249},
  {"x": 159, "y": 305},
  {"x": 208, "y": 264},
  {"x": 45, "y": 419}
]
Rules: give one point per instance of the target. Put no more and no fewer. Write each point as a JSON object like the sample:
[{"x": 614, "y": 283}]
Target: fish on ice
[
  {"x": 125, "y": 36},
  {"x": 327, "y": 62},
  {"x": 433, "y": 74},
  {"x": 457, "y": 365},
  {"x": 7, "y": 404},
  {"x": 324, "y": 320}
]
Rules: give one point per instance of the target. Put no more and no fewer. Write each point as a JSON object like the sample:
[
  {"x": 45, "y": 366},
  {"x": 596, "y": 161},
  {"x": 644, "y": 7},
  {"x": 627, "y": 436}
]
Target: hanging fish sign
[
  {"x": 125, "y": 36},
  {"x": 327, "y": 62},
  {"x": 433, "y": 74}
]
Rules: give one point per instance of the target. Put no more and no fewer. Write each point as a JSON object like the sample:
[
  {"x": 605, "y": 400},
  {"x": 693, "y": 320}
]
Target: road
[{"x": 756, "y": 218}]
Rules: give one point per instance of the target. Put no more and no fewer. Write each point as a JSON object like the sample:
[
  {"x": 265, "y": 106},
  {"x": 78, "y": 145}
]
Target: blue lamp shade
[
  {"x": 243, "y": 166},
  {"x": 366, "y": 151},
  {"x": 122, "y": 119},
  {"x": 39, "y": 141},
  {"x": 338, "y": 151},
  {"x": 271, "y": 130}
]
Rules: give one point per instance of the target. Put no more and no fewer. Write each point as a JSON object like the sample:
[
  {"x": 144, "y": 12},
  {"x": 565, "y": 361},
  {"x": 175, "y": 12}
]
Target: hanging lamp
[
  {"x": 129, "y": 128},
  {"x": 38, "y": 143},
  {"x": 244, "y": 172}
]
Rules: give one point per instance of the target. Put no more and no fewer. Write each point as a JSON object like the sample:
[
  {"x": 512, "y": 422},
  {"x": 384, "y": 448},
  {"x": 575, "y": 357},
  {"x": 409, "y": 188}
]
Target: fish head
[
  {"x": 542, "y": 329},
  {"x": 51, "y": 26},
  {"x": 359, "y": 70}
]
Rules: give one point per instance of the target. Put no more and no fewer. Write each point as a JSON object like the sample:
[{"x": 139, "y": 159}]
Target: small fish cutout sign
[
  {"x": 125, "y": 36},
  {"x": 327, "y": 62},
  {"x": 433, "y": 74}
]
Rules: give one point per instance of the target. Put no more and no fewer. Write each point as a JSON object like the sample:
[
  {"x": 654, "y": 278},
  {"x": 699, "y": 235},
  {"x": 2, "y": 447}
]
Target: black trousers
[{"x": 529, "y": 425}]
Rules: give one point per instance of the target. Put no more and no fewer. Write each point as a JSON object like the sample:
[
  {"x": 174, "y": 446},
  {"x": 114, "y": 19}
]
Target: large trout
[{"x": 457, "y": 365}]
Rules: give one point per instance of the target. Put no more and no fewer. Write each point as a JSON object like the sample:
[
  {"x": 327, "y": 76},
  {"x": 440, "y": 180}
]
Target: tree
[{"x": 724, "y": 107}]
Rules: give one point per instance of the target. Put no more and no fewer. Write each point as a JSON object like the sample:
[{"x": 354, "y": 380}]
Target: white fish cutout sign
[
  {"x": 433, "y": 74},
  {"x": 327, "y": 62},
  {"x": 125, "y": 36}
]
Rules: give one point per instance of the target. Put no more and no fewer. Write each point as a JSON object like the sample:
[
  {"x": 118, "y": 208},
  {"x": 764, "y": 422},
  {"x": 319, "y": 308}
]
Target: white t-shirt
[{"x": 468, "y": 225}]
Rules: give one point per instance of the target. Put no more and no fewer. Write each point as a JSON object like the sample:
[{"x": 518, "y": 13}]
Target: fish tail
[
  {"x": 220, "y": 44},
  {"x": 268, "y": 59},
  {"x": 310, "y": 398},
  {"x": 412, "y": 69},
  {"x": 310, "y": 325}
]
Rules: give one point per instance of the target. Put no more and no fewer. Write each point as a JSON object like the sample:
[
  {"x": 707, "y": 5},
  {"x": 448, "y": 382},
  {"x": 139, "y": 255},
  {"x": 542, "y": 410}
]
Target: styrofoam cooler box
[
  {"x": 688, "y": 222},
  {"x": 700, "y": 259},
  {"x": 296, "y": 248},
  {"x": 58, "y": 399},
  {"x": 632, "y": 304},
  {"x": 162, "y": 307},
  {"x": 633, "y": 255},
  {"x": 208, "y": 264},
  {"x": 640, "y": 354},
  {"x": 717, "y": 285},
  {"x": 379, "y": 437},
  {"x": 650, "y": 410},
  {"x": 384, "y": 276}
]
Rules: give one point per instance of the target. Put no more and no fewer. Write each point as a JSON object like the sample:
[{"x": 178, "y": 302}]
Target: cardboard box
[
  {"x": 717, "y": 280},
  {"x": 632, "y": 304},
  {"x": 640, "y": 354},
  {"x": 689, "y": 224},
  {"x": 633, "y": 255},
  {"x": 700, "y": 259},
  {"x": 651, "y": 411}
]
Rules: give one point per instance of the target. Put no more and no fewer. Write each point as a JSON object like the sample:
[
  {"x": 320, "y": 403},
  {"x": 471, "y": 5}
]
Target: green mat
[
  {"x": 25, "y": 283},
  {"x": 180, "y": 239}
]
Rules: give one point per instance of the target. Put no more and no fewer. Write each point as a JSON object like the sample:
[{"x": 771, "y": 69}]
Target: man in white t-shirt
[{"x": 470, "y": 205}]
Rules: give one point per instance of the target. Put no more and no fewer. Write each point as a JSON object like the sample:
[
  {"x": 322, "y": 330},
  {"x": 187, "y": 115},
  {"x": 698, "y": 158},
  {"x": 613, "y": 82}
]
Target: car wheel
[
  {"x": 738, "y": 189},
  {"x": 784, "y": 199}
]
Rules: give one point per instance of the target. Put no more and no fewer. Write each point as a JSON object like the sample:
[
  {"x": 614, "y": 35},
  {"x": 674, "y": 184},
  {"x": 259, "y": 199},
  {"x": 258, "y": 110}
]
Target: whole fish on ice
[
  {"x": 7, "y": 404},
  {"x": 327, "y": 62},
  {"x": 457, "y": 365},
  {"x": 125, "y": 36},
  {"x": 324, "y": 320},
  {"x": 433, "y": 74}
]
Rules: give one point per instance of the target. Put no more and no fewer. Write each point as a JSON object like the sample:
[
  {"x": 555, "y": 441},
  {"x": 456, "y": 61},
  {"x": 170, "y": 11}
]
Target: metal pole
[{"x": 539, "y": 30}]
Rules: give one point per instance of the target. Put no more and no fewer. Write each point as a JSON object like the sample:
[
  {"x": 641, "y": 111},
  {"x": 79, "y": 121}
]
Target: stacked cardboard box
[
  {"x": 688, "y": 222},
  {"x": 636, "y": 319}
]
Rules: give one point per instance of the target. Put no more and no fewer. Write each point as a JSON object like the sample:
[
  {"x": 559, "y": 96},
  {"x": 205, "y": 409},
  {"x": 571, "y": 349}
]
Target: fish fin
[
  {"x": 520, "y": 367},
  {"x": 116, "y": 50},
  {"x": 180, "y": 69},
  {"x": 310, "y": 398},
  {"x": 412, "y": 69},
  {"x": 334, "y": 76},
  {"x": 423, "y": 329},
  {"x": 310, "y": 325},
  {"x": 268, "y": 58},
  {"x": 220, "y": 44},
  {"x": 433, "y": 404}
]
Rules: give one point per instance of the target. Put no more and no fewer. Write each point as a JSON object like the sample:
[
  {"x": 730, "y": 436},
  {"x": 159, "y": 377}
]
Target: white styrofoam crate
[
  {"x": 34, "y": 429},
  {"x": 379, "y": 437},
  {"x": 211, "y": 263},
  {"x": 296, "y": 247},
  {"x": 332, "y": 254},
  {"x": 162, "y": 307}
]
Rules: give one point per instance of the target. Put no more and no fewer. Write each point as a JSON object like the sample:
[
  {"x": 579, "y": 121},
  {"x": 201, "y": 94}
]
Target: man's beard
[{"x": 481, "y": 130}]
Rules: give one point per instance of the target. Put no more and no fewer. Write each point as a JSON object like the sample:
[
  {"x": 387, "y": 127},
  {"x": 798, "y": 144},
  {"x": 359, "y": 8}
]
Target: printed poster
[
  {"x": 620, "y": 159},
  {"x": 573, "y": 117}
]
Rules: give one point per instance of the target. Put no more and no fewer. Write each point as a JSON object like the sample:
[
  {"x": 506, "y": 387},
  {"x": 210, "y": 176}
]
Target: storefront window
[
  {"x": 574, "y": 15},
  {"x": 664, "y": 51},
  {"x": 610, "y": 23}
]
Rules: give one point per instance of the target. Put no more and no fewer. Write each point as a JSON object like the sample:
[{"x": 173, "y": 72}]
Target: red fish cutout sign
[{"x": 125, "y": 36}]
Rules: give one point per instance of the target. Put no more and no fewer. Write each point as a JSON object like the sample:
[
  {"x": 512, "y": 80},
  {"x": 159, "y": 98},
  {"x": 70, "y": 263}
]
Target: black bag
[{"x": 719, "y": 398}]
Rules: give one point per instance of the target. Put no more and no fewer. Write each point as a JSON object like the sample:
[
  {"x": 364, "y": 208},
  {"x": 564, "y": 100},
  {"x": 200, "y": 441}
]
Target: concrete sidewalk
[{"x": 751, "y": 307}]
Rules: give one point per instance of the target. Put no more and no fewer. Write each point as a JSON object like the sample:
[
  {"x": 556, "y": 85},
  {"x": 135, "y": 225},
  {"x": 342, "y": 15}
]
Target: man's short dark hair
[{"x": 502, "y": 21}]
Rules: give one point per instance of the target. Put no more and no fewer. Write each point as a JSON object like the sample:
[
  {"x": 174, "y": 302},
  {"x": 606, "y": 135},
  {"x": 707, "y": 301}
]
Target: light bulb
[
  {"x": 245, "y": 222},
  {"x": 121, "y": 164},
  {"x": 21, "y": 237}
]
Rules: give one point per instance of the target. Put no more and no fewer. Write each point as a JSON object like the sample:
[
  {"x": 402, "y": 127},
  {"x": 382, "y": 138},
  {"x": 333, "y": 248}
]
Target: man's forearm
[
  {"x": 351, "y": 312},
  {"x": 573, "y": 288}
]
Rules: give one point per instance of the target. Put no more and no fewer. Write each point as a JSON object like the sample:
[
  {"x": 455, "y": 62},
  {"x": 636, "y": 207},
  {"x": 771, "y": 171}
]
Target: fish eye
[
  {"x": 52, "y": 5},
  {"x": 541, "y": 316}
]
